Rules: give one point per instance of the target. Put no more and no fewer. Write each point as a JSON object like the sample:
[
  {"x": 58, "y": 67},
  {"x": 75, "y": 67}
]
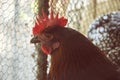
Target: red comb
[{"x": 43, "y": 22}]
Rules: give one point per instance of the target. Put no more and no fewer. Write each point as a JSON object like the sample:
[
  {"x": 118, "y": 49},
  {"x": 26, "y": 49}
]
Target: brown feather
[{"x": 77, "y": 58}]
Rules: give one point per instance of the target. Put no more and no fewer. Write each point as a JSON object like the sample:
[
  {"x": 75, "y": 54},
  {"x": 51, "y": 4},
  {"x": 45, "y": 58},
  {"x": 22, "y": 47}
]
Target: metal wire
[{"x": 16, "y": 21}]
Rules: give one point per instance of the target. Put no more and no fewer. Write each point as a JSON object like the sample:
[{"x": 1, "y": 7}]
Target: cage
[{"x": 20, "y": 60}]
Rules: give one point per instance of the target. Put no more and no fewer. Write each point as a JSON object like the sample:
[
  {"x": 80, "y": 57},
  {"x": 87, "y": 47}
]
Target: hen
[
  {"x": 73, "y": 56},
  {"x": 107, "y": 27}
]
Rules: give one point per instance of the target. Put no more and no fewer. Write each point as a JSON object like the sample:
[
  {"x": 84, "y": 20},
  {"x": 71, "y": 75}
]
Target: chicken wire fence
[
  {"x": 81, "y": 13},
  {"x": 16, "y": 21},
  {"x": 16, "y": 18}
]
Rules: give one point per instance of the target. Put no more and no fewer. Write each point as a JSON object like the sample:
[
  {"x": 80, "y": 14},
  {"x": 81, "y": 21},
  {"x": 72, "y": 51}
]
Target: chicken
[
  {"x": 107, "y": 27},
  {"x": 73, "y": 56}
]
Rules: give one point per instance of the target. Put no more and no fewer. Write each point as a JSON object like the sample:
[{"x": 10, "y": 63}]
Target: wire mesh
[
  {"x": 81, "y": 13},
  {"x": 16, "y": 21}
]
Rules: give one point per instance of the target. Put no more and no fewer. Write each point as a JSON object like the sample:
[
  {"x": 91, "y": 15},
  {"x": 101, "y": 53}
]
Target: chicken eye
[
  {"x": 46, "y": 37},
  {"x": 49, "y": 36}
]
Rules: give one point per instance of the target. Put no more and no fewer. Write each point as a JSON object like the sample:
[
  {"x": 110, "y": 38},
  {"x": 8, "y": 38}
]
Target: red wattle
[{"x": 45, "y": 49}]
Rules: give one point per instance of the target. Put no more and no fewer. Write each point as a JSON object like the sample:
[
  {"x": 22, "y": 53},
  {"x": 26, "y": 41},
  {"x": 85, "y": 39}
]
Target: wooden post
[{"x": 42, "y": 58}]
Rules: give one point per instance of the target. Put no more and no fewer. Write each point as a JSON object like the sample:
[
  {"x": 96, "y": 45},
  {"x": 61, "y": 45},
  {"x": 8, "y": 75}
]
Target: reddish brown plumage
[
  {"x": 73, "y": 56},
  {"x": 77, "y": 58}
]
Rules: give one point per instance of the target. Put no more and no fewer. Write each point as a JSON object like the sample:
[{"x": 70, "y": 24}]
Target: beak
[{"x": 35, "y": 40}]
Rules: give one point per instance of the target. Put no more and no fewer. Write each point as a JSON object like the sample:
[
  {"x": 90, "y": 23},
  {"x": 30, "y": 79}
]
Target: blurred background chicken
[
  {"x": 73, "y": 56},
  {"x": 104, "y": 32}
]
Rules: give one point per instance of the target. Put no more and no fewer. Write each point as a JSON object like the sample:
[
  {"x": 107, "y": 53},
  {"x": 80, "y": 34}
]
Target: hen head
[{"x": 45, "y": 29}]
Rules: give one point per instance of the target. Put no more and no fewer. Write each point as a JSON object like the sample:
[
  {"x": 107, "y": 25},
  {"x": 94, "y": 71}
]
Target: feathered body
[
  {"x": 73, "y": 56},
  {"x": 77, "y": 58}
]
